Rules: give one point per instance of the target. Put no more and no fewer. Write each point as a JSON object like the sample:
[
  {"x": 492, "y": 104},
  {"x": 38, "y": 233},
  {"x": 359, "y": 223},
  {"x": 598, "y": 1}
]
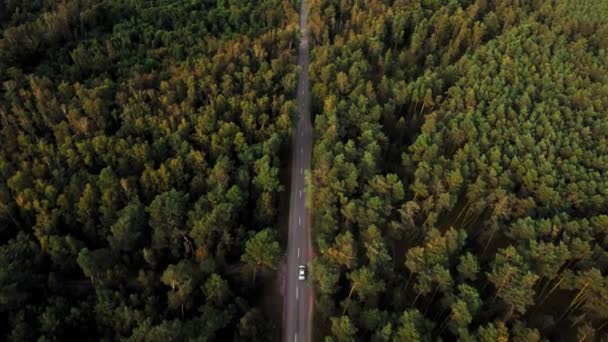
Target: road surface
[{"x": 298, "y": 295}]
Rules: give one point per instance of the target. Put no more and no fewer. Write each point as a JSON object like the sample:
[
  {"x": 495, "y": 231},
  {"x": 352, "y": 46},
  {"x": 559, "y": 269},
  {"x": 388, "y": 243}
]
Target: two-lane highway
[{"x": 298, "y": 295}]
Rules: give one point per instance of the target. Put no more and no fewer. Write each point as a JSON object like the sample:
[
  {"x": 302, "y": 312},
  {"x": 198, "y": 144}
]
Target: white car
[{"x": 302, "y": 272}]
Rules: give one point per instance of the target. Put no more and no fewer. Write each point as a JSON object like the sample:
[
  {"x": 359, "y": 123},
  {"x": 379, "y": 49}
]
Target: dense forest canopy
[
  {"x": 459, "y": 188},
  {"x": 460, "y": 177},
  {"x": 140, "y": 166}
]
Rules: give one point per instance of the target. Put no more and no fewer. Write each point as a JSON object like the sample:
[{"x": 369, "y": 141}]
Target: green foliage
[
  {"x": 20, "y": 263},
  {"x": 216, "y": 289},
  {"x": 513, "y": 282},
  {"x": 167, "y": 217},
  {"x": 262, "y": 251},
  {"x": 129, "y": 228},
  {"x": 460, "y": 159},
  {"x": 141, "y": 149},
  {"x": 252, "y": 326},
  {"x": 342, "y": 329},
  {"x": 458, "y": 189},
  {"x": 182, "y": 279},
  {"x": 413, "y": 327}
]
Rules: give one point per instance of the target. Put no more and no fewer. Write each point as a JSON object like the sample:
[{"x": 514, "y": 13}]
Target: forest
[
  {"x": 459, "y": 183},
  {"x": 139, "y": 167},
  {"x": 458, "y": 190}
]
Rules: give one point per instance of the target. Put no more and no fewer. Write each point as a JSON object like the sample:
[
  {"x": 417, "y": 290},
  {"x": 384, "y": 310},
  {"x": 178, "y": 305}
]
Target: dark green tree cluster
[
  {"x": 460, "y": 173},
  {"x": 139, "y": 166}
]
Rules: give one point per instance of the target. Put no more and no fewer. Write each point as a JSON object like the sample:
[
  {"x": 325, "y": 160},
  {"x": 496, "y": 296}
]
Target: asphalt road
[{"x": 298, "y": 295}]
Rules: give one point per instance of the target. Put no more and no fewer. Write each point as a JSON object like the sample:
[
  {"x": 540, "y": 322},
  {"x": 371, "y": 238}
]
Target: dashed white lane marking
[
  {"x": 300, "y": 193},
  {"x": 298, "y": 252},
  {"x": 302, "y": 133},
  {"x": 295, "y": 337},
  {"x": 300, "y": 170},
  {"x": 299, "y": 221},
  {"x": 296, "y": 293},
  {"x": 301, "y": 150}
]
